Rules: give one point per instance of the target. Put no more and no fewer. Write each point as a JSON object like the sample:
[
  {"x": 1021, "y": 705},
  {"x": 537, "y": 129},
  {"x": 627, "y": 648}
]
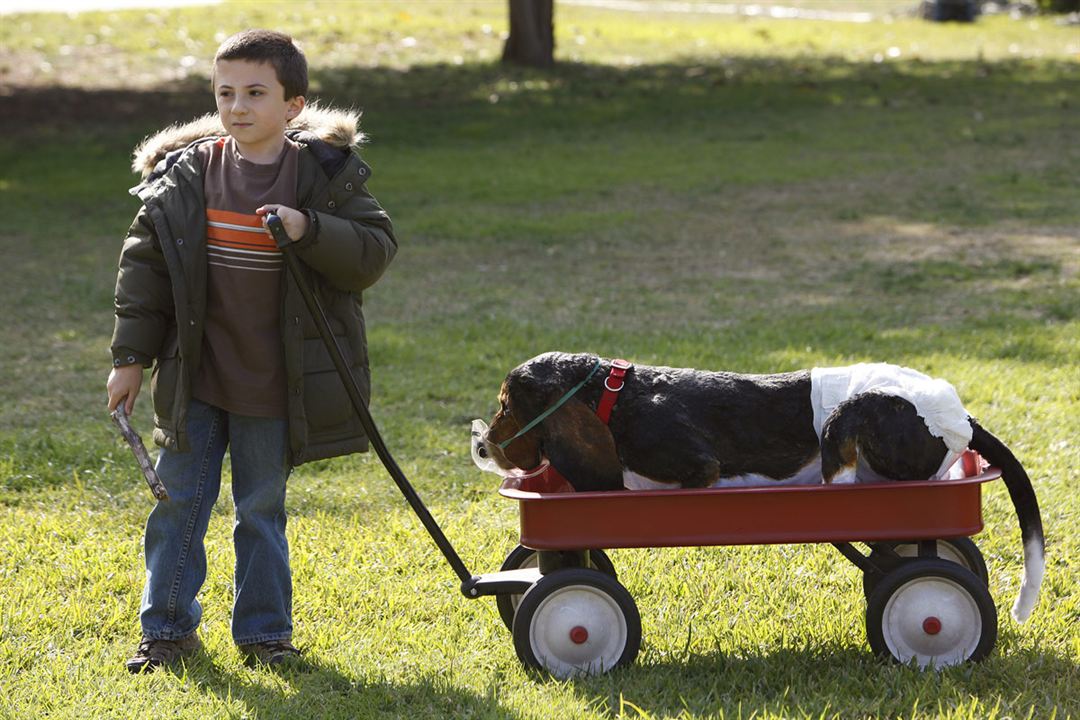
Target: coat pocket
[
  {"x": 164, "y": 379},
  {"x": 326, "y": 402}
]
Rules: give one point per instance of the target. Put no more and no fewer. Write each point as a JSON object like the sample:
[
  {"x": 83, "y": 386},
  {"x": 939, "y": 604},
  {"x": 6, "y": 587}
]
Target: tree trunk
[{"x": 532, "y": 33}]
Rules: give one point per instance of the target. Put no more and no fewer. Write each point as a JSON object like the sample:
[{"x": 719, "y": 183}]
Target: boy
[{"x": 202, "y": 294}]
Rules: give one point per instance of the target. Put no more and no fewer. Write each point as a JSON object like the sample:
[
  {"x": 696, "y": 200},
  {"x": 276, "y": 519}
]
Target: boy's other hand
[
  {"x": 123, "y": 386},
  {"x": 295, "y": 222}
]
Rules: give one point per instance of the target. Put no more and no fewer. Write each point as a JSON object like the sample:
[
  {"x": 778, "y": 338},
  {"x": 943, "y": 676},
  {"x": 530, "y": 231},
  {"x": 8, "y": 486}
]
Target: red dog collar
[{"x": 613, "y": 383}]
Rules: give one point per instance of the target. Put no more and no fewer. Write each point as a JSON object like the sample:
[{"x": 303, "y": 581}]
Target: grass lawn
[{"x": 684, "y": 189}]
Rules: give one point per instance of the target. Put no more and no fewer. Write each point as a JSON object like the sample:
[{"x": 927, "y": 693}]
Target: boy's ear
[{"x": 296, "y": 106}]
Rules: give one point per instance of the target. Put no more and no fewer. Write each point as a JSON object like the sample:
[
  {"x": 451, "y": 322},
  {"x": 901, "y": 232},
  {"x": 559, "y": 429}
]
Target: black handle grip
[{"x": 277, "y": 230}]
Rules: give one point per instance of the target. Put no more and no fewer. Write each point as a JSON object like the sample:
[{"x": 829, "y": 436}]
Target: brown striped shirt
[{"x": 243, "y": 365}]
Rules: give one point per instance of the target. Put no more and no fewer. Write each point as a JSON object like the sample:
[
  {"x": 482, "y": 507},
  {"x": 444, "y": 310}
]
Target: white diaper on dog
[{"x": 936, "y": 401}]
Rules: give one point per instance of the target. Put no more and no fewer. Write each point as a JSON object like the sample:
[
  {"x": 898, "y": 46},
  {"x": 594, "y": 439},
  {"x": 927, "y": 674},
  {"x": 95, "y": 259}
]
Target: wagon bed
[{"x": 752, "y": 515}]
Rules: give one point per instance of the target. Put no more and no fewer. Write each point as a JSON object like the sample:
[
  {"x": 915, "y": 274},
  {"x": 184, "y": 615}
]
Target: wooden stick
[{"x": 135, "y": 442}]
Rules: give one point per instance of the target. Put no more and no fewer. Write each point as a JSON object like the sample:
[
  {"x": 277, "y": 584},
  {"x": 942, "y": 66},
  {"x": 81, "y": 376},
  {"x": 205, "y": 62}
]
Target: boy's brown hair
[{"x": 275, "y": 48}]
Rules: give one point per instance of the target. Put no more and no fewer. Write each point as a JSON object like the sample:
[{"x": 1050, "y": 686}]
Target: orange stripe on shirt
[
  {"x": 241, "y": 246},
  {"x": 234, "y": 218}
]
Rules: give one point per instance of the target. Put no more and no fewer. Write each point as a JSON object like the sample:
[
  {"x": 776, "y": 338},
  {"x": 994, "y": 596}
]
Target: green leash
[{"x": 539, "y": 419}]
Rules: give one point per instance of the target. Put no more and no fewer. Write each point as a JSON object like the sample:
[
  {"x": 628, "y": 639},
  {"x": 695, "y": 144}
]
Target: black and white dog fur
[{"x": 688, "y": 428}]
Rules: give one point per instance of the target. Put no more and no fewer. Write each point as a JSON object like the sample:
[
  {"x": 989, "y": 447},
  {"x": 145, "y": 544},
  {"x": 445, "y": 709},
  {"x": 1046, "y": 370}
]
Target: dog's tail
[{"x": 1027, "y": 511}]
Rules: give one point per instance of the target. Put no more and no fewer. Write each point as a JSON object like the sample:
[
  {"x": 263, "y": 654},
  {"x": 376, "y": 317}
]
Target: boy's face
[{"x": 252, "y": 106}]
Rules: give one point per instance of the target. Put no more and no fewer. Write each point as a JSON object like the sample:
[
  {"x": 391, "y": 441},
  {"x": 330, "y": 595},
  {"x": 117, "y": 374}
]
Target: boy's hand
[
  {"x": 123, "y": 386},
  {"x": 295, "y": 222}
]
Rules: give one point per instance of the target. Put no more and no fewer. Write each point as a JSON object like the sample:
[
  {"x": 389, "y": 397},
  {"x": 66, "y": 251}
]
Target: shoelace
[{"x": 281, "y": 647}]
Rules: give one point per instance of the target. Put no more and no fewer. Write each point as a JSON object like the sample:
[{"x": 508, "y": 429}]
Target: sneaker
[
  {"x": 155, "y": 653},
  {"x": 272, "y": 652}
]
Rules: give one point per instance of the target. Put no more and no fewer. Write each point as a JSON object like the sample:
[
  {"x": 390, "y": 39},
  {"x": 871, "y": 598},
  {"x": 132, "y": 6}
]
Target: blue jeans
[{"x": 175, "y": 555}]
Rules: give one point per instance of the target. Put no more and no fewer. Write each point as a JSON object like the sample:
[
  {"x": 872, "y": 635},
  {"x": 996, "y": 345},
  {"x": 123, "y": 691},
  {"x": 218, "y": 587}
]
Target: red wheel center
[
  {"x": 579, "y": 635},
  {"x": 931, "y": 625}
]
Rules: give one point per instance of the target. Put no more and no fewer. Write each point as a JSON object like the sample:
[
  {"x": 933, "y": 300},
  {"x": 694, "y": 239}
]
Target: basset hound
[{"x": 672, "y": 427}]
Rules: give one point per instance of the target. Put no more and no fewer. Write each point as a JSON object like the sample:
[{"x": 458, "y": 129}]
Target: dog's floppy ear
[
  {"x": 521, "y": 452},
  {"x": 580, "y": 447}
]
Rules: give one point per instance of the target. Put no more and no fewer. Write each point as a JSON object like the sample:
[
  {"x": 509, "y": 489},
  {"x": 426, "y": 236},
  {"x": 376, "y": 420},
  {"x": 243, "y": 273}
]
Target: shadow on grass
[
  {"x": 315, "y": 690},
  {"x": 668, "y": 96},
  {"x": 832, "y": 682}
]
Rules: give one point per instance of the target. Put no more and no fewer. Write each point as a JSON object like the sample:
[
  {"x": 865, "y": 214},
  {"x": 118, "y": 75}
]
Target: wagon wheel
[
  {"x": 934, "y": 612},
  {"x": 961, "y": 551},
  {"x": 577, "y": 621},
  {"x": 522, "y": 557}
]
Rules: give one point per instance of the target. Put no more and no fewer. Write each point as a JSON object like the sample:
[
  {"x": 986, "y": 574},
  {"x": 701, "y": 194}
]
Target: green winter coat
[{"x": 161, "y": 284}]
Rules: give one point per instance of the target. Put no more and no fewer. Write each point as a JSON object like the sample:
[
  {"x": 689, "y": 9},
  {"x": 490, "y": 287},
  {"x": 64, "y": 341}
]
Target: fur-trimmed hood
[{"x": 339, "y": 128}]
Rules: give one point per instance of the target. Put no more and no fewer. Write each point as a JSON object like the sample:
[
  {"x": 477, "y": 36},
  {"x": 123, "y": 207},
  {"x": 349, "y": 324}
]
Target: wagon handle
[{"x": 292, "y": 262}]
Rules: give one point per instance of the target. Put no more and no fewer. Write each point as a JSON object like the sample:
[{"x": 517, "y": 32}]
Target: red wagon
[{"x": 925, "y": 581}]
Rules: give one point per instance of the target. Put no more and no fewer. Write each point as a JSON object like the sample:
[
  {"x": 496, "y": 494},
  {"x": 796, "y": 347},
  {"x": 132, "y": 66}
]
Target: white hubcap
[
  {"x": 931, "y": 619},
  {"x": 578, "y": 629}
]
